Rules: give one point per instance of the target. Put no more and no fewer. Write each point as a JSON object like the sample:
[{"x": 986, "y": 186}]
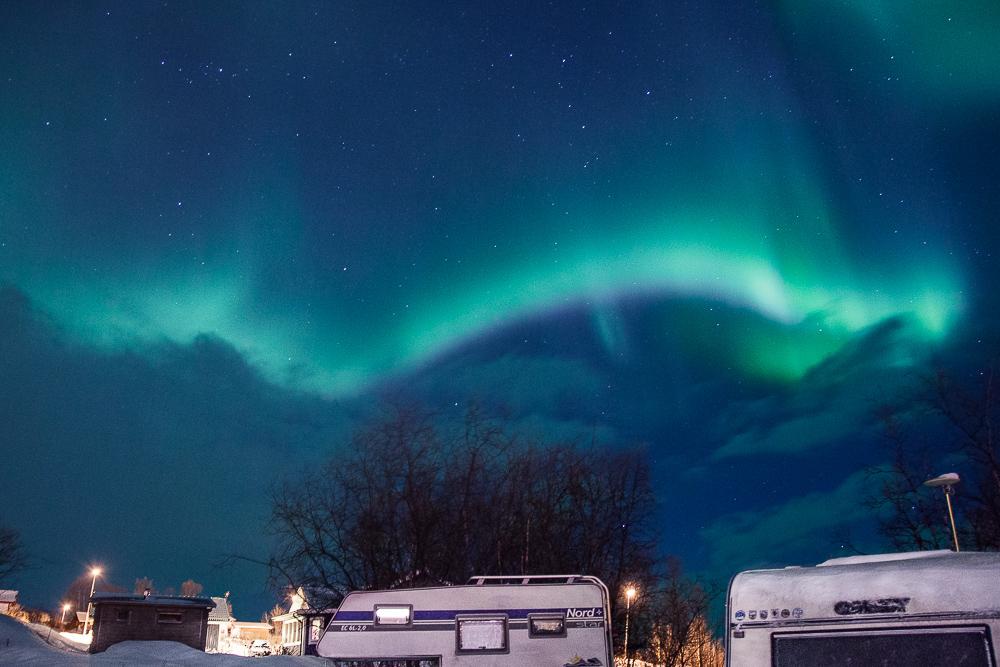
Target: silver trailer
[
  {"x": 915, "y": 609},
  {"x": 557, "y": 621}
]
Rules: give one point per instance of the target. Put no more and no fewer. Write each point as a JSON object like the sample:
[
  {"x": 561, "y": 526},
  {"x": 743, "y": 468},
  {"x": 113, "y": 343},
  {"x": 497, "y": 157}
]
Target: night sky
[{"x": 725, "y": 231}]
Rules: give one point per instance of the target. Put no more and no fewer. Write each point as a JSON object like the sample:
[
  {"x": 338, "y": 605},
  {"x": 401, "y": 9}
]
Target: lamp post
[
  {"x": 65, "y": 609},
  {"x": 946, "y": 482},
  {"x": 630, "y": 593},
  {"x": 96, "y": 572}
]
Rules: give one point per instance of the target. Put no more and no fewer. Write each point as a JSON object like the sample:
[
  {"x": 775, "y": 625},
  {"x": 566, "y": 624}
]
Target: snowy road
[{"x": 20, "y": 646}]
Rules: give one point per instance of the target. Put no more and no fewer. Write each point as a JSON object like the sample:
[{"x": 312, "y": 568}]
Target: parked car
[{"x": 260, "y": 647}]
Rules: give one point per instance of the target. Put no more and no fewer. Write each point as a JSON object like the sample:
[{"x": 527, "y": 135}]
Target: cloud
[
  {"x": 804, "y": 527},
  {"x": 546, "y": 396},
  {"x": 155, "y": 459},
  {"x": 834, "y": 402}
]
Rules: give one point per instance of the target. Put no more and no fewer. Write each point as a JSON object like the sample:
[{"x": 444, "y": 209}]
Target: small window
[
  {"x": 315, "y": 629},
  {"x": 169, "y": 617},
  {"x": 393, "y": 614},
  {"x": 546, "y": 625},
  {"x": 123, "y": 615},
  {"x": 482, "y": 634}
]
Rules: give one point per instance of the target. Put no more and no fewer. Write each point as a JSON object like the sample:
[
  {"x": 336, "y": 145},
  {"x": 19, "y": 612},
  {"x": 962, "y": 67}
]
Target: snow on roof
[
  {"x": 884, "y": 558},
  {"x": 158, "y": 600},
  {"x": 8, "y": 595},
  {"x": 221, "y": 611},
  {"x": 26, "y": 647},
  {"x": 925, "y": 582}
]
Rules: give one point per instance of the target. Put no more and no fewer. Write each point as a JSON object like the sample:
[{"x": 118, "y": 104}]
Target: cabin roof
[{"x": 152, "y": 600}]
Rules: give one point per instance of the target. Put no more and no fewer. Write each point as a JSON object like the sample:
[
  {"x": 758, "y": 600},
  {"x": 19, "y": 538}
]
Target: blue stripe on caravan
[{"x": 449, "y": 614}]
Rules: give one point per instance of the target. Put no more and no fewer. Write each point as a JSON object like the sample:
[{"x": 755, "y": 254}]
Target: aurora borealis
[{"x": 724, "y": 230}]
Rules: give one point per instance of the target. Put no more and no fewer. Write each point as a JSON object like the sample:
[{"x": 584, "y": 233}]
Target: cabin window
[
  {"x": 393, "y": 614},
  {"x": 169, "y": 617},
  {"x": 122, "y": 615},
  {"x": 916, "y": 646},
  {"x": 481, "y": 634},
  {"x": 546, "y": 625}
]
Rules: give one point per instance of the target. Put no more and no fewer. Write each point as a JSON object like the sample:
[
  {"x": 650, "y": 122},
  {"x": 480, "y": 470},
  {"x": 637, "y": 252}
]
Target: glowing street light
[
  {"x": 946, "y": 482},
  {"x": 630, "y": 594},
  {"x": 65, "y": 609},
  {"x": 95, "y": 572}
]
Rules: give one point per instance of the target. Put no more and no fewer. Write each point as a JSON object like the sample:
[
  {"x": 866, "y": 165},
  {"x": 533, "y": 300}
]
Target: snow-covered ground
[{"x": 23, "y": 645}]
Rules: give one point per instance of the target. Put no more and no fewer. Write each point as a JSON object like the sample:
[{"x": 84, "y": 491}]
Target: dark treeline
[{"x": 417, "y": 500}]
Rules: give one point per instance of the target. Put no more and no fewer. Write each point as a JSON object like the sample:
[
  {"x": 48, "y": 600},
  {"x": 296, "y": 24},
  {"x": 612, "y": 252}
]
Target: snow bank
[{"x": 20, "y": 645}]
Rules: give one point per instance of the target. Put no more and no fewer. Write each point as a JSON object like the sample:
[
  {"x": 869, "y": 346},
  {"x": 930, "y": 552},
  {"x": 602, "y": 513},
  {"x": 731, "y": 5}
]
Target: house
[
  {"x": 298, "y": 630},
  {"x": 8, "y": 599},
  {"x": 288, "y": 626},
  {"x": 247, "y": 631},
  {"x": 119, "y": 618},
  {"x": 220, "y": 626}
]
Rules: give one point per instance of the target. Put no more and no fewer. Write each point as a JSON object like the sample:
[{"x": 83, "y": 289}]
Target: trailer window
[
  {"x": 393, "y": 614},
  {"x": 919, "y": 647},
  {"x": 546, "y": 625},
  {"x": 481, "y": 634}
]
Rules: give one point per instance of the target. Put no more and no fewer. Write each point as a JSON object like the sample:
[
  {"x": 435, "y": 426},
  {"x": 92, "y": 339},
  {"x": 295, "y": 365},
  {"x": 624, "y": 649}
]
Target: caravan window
[
  {"x": 481, "y": 634},
  {"x": 393, "y": 614},
  {"x": 546, "y": 625},
  {"x": 918, "y": 647}
]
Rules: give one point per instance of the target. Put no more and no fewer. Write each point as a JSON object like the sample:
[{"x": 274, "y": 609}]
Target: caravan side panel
[{"x": 482, "y": 626}]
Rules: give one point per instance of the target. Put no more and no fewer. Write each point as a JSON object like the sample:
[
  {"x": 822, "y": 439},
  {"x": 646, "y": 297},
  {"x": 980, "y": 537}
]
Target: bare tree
[
  {"x": 908, "y": 513},
  {"x": 143, "y": 584},
  {"x": 191, "y": 588},
  {"x": 963, "y": 416},
  {"x": 13, "y": 558},
  {"x": 415, "y": 499},
  {"x": 973, "y": 412},
  {"x": 78, "y": 592},
  {"x": 675, "y": 611}
]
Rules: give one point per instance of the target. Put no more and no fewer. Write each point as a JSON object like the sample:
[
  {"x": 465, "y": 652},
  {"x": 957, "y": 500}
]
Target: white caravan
[
  {"x": 557, "y": 621},
  {"x": 915, "y": 609}
]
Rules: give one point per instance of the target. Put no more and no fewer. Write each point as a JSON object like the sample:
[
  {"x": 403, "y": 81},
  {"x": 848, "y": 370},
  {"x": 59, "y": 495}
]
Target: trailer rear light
[{"x": 393, "y": 615}]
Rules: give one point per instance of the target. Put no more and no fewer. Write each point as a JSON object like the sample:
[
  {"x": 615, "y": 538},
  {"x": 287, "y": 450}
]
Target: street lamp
[
  {"x": 96, "y": 572},
  {"x": 65, "y": 609},
  {"x": 946, "y": 482},
  {"x": 630, "y": 594}
]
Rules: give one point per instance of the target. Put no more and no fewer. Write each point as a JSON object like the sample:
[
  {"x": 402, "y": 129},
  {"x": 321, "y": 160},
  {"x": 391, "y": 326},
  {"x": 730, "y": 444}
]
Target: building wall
[
  {"x": 114, "y": 622},
  {"x": 291, "y": 636},
  {"x": 252, "y": 631}
]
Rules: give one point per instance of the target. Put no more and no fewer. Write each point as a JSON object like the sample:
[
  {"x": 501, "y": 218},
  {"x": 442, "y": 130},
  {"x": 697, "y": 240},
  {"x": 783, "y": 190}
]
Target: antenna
[{"x": 946, "y": 482}]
